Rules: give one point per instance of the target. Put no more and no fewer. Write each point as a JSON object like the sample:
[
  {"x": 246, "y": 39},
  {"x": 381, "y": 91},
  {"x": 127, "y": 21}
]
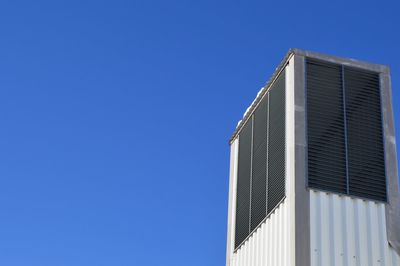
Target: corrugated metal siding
[
  {"x": 348, "y": 232},
  {"x": 269, "y": 244}
]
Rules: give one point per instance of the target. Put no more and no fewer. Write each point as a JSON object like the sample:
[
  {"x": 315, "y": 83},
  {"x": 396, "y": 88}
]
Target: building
[{"x": 313, "y": 169}]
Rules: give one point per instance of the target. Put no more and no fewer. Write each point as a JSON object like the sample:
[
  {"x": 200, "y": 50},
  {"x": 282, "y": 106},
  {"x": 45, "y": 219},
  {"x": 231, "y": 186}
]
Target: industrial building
[{"x": 313, "y": 168}]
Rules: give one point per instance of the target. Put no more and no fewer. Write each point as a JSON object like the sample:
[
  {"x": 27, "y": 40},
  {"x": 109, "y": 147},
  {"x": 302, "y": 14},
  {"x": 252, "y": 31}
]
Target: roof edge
[
  {"x": 296, "y": 51},
  {"x": 260, "y": 95},
  {"x": 342, "y": 60}
]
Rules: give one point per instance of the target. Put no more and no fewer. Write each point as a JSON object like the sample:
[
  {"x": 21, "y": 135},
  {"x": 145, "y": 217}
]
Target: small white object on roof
[{"x": 251, "y": 105}]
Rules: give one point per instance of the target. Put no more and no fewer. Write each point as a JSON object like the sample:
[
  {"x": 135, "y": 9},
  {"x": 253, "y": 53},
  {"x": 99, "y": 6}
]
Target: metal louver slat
[
  {"x": 243, "y": 184},
  {"x": 325, "y": 127},
  {"x": 364, "y": 126},
  {"x": 259, "y": 171},
  {"x": 276, "y": 144}
]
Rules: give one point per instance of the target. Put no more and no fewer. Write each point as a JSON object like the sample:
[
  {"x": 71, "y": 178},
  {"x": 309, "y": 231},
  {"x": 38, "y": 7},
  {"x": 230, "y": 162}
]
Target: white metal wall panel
[
  {"x": 230, "y": 243},
  {"x": 269, "y": 244},
  {"x": 348, "y": 232}
]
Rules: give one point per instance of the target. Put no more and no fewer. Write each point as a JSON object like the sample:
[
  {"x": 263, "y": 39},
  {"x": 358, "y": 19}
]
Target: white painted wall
[
  {"x": 269, "y": 244},
  {"x": 348, "y": 232}
]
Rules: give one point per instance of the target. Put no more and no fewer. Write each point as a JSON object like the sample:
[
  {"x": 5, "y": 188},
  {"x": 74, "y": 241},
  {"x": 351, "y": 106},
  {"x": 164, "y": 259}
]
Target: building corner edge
[
  {"x": 392, "y": 209},
  {"x": 302, "y": 195}
]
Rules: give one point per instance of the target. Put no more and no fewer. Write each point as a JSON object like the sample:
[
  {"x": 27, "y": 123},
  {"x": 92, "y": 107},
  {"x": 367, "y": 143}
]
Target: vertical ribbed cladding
[
  {"x": 366, "y": 160},
  {"x": 325, "y": 127},
  {"x": 348, "y": 231},
  {"x": 243, "y": 184},
  {"x": 276, "y": 144},
  {"x": 269, "y": 244},
  {"x": 259, "y": 172}
]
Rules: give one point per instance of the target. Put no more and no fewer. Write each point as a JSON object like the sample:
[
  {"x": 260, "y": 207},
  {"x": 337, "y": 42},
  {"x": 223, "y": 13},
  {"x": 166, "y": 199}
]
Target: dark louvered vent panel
[
  {"x": 259, "y": 177},
  {"x": 243, "y": 184},
  {"x": 261, "y": 162},
  {"x": 276, "y": 146},
  {"x": 326, "y": 129},
  {"x": 364, "y": 134}
]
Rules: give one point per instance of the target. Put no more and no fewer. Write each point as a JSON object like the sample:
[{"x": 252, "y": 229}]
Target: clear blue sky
[{"x": 115, "y": 117}]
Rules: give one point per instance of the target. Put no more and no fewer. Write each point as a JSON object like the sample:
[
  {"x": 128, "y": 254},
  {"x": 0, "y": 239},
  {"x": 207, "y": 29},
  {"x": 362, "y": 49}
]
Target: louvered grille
[
  {"x": 243, "y": 184},
  {"x": 345, "y": 142},
  {"x": 259, "y": 172},
  {"x": 365, "y": 140},
  {"x": 326, "y": 135},
  {"x": 260, "y": 123},
  {"x": 276, "y": 147}
]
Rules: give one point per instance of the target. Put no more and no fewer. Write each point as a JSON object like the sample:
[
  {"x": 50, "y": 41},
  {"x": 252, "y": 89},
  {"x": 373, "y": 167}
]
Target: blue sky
[{"x": 115, "y": 117}]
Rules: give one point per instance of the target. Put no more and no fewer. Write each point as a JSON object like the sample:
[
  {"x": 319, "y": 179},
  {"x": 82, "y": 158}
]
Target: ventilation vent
[
  {"x": 276, "y": 147},
  {"x": 345, "y": 142},
  {"x": 261, "y": 166},
  {"x": 326, "y": 136},
  {"x": 244, "y": 183},
  {"x": 259, "y": 180},
  {"x": 364, "y": 134}
]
